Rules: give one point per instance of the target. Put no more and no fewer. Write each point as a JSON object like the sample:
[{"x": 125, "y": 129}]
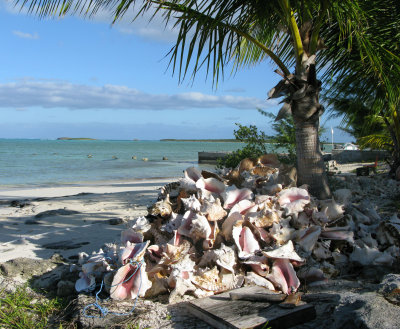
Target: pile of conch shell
[{"x": 209, "y": 233}]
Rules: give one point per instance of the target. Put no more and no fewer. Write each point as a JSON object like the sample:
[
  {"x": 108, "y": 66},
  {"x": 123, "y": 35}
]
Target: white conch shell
[
  {"x": 253, "y": 278},
  {"x": 86, "y": 282},
  {"x": 209, "y": 242},
  {"x": 321, "y": 250},
  {"x": 343, "y": 195},
  {"x": 233, "y": 196},
  {"x": 306, "y": 238},
  {"x": 331, "y": 209},
  {"x": 228, "y": 223},
  {"x": 283, "y": 276},
  {"x": 367, "y": 256},
  {"x": 130, "y": 281},
  {"x": 281, "y": 232},
  {"x": 173, "y": 223},
  {"x": 191, "y": 203},
  {"x": 213, "y": 280},
  {"x": 338, "y": 233},
  {"x": 224, "y": 257},
  {"x": 200, "y": 227},
  {"x": 186, "y": 225},
  {"x": 141, "y": 224},
  {"x": 293, "y": 199},
  {"x": 244, "y": 240},
  {"x": 213, "y": 210},
  {"x": 284, "y": 252}
]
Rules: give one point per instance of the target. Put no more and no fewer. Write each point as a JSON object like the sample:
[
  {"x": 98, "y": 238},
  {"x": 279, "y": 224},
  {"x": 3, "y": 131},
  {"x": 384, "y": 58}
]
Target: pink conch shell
[
  {"x": 338, "y": 233},
  {"x": 293, "y": 199},
  {"x": 212, "y": 209},
  {"x": 258, "y": 264},
  {"x": 283, "y": 276},
  {"x": 193, "y": 174},
  {"x": 285, "y": 252},
  {"x": 244, "y": 240},
  {"x": 253, "y": 278},
  {"x": 228, "y": 223},
  {"x": 133, "y": 251},
  {"x": 242, "y": 207},
  {"x": 232, "y": 197},
  {"x": 130, "y": 281},
  {"x": 211, "y": 185},
  {"x": 307, "y": 238},
  {"x": 131, "y": 236}
]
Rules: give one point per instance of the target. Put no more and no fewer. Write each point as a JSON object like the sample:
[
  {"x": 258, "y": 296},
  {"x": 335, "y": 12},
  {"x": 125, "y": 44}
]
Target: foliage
[
  {"x": 23, "y": 309},
  {"x": 255, "y": 146},
  {"x": 285, "y": 137}
]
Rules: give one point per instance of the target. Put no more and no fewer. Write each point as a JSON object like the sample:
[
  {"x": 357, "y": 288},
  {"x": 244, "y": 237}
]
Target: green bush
[{"x": 255, "y": 146}]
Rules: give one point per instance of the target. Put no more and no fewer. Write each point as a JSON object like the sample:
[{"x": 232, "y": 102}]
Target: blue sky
[{"x": 83, "y": 78}]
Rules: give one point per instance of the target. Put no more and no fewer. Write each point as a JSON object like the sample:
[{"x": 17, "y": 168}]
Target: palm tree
[
  {"x": 288, "y": 32},
  {"x": 370, "y": 102}
]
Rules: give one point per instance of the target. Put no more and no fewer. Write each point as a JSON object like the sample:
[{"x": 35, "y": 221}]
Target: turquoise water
[
  {"x": 56, "y": 162},
  {"x": 53, "y": 162}
]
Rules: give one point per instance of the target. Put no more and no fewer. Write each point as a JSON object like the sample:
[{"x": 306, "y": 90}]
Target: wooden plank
[{"x": 222, "y": 312}]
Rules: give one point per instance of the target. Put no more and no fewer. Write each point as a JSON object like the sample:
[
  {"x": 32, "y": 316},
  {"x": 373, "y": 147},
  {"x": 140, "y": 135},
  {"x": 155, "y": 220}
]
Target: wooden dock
[
  {"x": 221, "y": 312},
  {"x": 212, "y": 157}
]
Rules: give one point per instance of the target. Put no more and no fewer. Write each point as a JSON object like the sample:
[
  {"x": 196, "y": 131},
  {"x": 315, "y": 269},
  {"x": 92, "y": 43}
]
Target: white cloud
[
  {"x": 60, "y": 94},
  {"x": 146, "y": 26},
  {"x": 25, "y": 35}
]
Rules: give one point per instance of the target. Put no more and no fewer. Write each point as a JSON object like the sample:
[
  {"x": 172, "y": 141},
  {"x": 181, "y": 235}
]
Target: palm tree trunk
[
  {"x": 306, "y": 111},
  {"x": 310, "y": 163}
]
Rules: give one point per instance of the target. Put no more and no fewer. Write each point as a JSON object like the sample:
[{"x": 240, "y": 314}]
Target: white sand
[{"x": 86, "y": 230}]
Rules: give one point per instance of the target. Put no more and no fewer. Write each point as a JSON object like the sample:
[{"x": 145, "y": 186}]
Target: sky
[{"x": 79, "y": 77}]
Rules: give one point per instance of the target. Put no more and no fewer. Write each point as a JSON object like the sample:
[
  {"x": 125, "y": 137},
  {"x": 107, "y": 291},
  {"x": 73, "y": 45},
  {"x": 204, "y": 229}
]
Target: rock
[
  {"x": 65, "y": 288},
  {"x": 49, "y": 281},
  {"x": 32, "y": 221},
  {"x": 19, "y": 204},
  {"x": 389, "y": 283},
  {"x": 134, "y": 157},
  {"x": 397, "y": 175},
  {"x": 145, "y": 159},
  {"x": 116, "y": 221},
  {"x": 56, "y": 212},
  {"x": 64, "y": 245},
  {"x": 165, "y": 158}
]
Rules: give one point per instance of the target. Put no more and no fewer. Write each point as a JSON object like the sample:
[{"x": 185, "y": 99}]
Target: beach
[{"x": 38, "y": 222}]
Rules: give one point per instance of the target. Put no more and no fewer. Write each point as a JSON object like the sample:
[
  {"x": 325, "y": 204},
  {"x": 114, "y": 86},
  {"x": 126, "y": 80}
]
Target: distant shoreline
[
  {"x": 75, "y": 139},
  {"x": 201, "y": 140}
]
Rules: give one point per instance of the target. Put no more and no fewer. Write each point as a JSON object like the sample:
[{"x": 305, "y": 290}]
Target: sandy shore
[
  {"x": 70, "y": 219},
  {"x": 75, "y": 218}
]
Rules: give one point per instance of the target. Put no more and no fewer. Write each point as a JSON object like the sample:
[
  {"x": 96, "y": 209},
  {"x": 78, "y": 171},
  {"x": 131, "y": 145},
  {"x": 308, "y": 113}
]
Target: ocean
[{"x": 37, "y": 163}]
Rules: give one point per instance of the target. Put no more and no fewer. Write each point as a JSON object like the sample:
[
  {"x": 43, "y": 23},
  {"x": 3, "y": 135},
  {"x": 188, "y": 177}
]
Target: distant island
[
  {"x": 75, "y": 139},
  {"x": 200, "y": 140}
]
